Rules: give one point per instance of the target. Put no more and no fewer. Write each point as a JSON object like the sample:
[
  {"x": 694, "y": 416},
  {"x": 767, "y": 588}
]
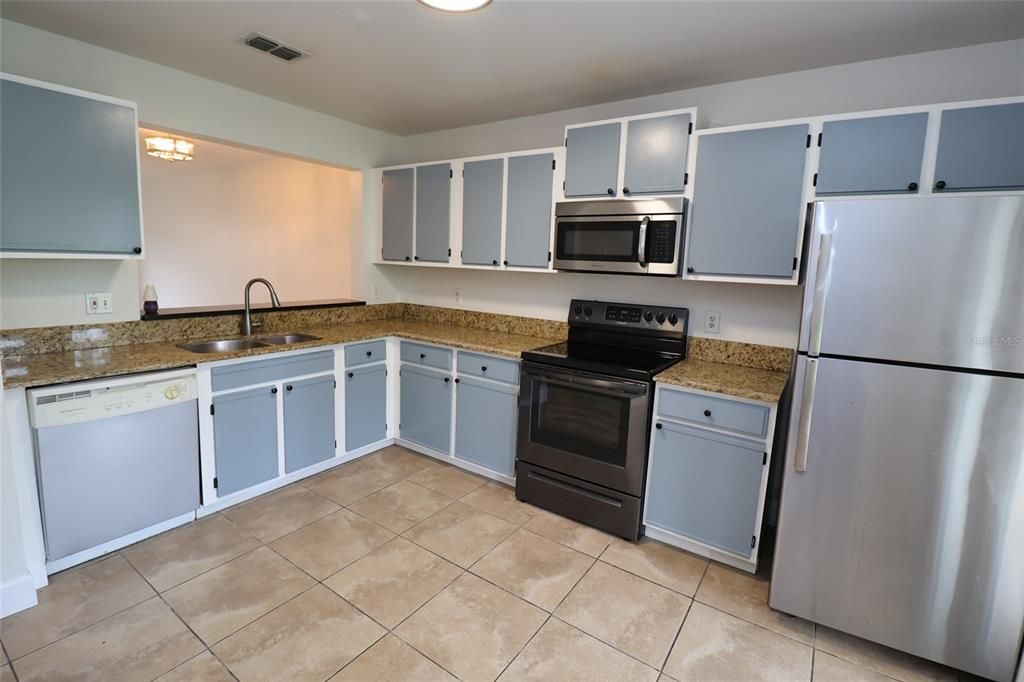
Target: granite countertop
[
  {"x": 735, "y": 380},
  {"x": 54, "y": 368}
]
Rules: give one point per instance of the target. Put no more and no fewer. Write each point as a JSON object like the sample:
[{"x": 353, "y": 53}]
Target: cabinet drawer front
[
  {"x": 365, "y": 406},
  {"x": 716, "y": 412},
  {"x": 489, "y": 367},
  {"x": 705, "y": 486},
  {"x": 308, "y": 422},
  {"x": 245, "y": 439},
  {"x": 363, "y": 353},
  {"x": 429, "y": 356},
  {"x": 271, "y": 369}
]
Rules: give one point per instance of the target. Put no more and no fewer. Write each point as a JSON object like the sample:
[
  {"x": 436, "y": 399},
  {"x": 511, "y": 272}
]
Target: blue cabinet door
[
  {"x": 981, "y": 148},
  {"x": 482, "y": 189},
  {"x": 747, "y": 212},
  {"x": 528, "y": 220},
  {"x": 365, "y": 406},
  {"x": 705, "y": 486},
  {"x": 877, "y": 155},
  {"x": 68, "y": 173},
  {"x": 485, "y": 424},
  {"x": 592, "y": 160},
  {"x": 245, "y": 438},
  {"x": 433, "y": 212},
  {"x": 308, "y": 422},
  {"x": 656, "y": 154},
  {"x": 397, "y": 214},
  {"x": 426, "y": 408}
]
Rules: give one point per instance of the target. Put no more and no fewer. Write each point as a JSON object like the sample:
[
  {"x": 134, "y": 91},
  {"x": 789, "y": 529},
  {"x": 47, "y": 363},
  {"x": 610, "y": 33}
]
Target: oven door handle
[
  {"x": 596, "y": 385},
  {"x": 641, "y": 248}
]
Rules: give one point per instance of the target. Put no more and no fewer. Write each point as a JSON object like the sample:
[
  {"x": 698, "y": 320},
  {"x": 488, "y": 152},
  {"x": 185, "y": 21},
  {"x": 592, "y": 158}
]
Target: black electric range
[{"x": 585, "y": 412}]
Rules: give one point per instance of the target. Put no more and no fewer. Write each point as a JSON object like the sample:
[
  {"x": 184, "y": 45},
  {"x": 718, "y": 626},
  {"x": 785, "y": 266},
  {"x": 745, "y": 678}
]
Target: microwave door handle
[{"x": 641, "y": 247}]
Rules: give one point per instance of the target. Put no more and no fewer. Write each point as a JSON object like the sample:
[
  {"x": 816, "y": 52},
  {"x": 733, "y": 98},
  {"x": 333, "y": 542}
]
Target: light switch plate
[
  {"x": 458, "y": 296},
  {"x": 99, "y": 303},
  {"x": 712, "y": 321}
]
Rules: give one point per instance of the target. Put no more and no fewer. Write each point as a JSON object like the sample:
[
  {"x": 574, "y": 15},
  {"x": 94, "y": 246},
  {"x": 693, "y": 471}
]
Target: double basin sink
[{"x": 229, "y": 345}]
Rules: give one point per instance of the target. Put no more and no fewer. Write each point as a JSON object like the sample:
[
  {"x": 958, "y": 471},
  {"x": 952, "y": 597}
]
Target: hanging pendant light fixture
[
  {"x": 170, "y": 148},
  {"x": 455, "y": 6}
]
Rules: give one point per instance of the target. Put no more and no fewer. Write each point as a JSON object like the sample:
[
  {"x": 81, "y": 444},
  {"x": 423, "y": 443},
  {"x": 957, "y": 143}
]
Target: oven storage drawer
[
  {"x": 428, "y": 356},
  {"x": 365, "y": 353},
  {"x": 489, "y": 367},
  {"x": 600, "y": 507},
  {"x": 698, "y": 408},
  {"x": 271, "y": 369}
]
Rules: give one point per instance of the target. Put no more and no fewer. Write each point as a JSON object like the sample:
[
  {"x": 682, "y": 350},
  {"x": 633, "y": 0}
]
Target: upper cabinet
[
  {"x": 69, "y": 173},
  {"x": 483, "y": 188},
  {"x": 529, "y": 213},
  {"x": 635, "y": 155},
  {"x": 981, "y": 148},
  {"x": 748, "y": 204},
  {"x": 433, "y": 213},
  {"x": 871, "y": 155},
  {"x": 398, "y": 192},
  {"x": 592, "y": 160}
]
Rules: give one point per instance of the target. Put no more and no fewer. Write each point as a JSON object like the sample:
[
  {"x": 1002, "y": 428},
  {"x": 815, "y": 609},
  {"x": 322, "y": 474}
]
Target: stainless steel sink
[
  {"x": 222, "y": 345},
  {"x": 281, "y": 339}
]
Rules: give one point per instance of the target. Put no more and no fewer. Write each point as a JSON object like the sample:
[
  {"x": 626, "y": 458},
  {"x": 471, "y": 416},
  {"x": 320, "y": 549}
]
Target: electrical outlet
[
  {"x": 712, "y": 321},
  {"x": 458, "y": 295},
  {"x": 100, "y": 303},
  {"x": 374, "y": 293}
]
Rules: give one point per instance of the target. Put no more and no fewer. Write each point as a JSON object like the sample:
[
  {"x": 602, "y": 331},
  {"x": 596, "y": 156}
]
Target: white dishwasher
[{"x": 117, "y": 460}]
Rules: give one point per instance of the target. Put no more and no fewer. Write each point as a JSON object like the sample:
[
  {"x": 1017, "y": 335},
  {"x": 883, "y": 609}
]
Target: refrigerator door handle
[
  {"x": 806, "y": 407},
  {"x": 821, "y": 281}
]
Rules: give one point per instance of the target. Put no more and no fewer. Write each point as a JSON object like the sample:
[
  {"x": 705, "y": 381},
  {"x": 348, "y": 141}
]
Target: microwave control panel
[{"x": 661, "y": 241}]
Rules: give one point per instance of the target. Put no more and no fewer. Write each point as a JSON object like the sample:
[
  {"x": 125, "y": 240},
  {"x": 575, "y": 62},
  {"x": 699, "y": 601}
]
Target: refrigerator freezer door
[
  {"x": 934, "y": 281},
  {"x": 907, "y": 526}
]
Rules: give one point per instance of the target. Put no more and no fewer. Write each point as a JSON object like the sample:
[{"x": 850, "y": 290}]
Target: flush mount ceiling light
[
  {"x": 170, "y": 148},
  {"x": 456, "y": 6}
]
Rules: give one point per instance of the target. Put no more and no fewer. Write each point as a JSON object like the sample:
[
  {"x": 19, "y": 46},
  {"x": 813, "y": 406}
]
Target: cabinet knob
[
  {"x": 446, "y": 380},
  {"x": 350, "y": 375},
  {"x": 657, "y": 426},
  {"x": 912, "y": 187},
  {"x": 407, "y": 258},
  {"x": 483, "y": 368},
  {"x": 941, "y": 184},
  {"x": 707, "y": 413},
  {"x": 137, "y": 249},
  {"x": 456, "y": 380},
  {"x": 274, "y": 389},
  {"x": 506, "y": 263},
  {"x": 494, "y": 262},
  {"x": 689, "y": 269},
  {"x": 369, "y": 353},
  {"x": 288, "y": 387},
  {"x": 422, "y": 355},
  {"x": 625, "y": 190},
  {"x": 611, "y": 192},
  {"x": 415, "y": 257}
]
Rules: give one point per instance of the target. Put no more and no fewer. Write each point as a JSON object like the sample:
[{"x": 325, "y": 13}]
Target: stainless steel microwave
[{"x": 620, "y": 236}]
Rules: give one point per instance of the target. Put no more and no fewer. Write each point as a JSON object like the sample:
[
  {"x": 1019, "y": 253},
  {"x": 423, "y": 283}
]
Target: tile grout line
[
  {"x": 523, "y": 647},
  {"x": 675, "y": 639}
]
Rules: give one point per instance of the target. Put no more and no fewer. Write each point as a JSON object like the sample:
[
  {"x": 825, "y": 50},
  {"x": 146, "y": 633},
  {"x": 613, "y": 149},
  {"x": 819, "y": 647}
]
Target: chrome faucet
[{"x": 274, "y": 302}]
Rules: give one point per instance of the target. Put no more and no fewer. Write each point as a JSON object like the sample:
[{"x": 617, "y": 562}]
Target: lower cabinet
[
  {"x": 308, "y": 422},
  {"x": 365, "y": 406},
  {"x": 245, "y": 438},
  {"x": 426, "y": 407},
  {"x": 485, "y": 424},
  {"x": 705, "y": 486}
]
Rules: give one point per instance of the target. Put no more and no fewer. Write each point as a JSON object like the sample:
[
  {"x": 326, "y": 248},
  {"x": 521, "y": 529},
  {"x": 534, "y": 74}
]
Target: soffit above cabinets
[{"x": 403, "y": 68}]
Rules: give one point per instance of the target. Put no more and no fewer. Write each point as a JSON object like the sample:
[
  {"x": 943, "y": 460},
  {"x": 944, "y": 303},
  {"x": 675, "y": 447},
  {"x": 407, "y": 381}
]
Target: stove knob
[
  {"x": 673, "y": 318},
  {"x": 661, "y": 318},
  {"x": 648, "y": 316},
  {"x": 578, "y": 309},
  {"x": 587, "y": 310}
]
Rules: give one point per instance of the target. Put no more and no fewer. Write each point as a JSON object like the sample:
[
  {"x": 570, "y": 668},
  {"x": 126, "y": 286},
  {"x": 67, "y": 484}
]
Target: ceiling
[{"x": 400, "y": 67}]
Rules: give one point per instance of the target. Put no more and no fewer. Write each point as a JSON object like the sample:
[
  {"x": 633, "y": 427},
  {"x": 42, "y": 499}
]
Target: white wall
[
  {"x": 230, "y": 214},
  {"x": 757, "y": 314},
  {"x": 175, "y": 101}
]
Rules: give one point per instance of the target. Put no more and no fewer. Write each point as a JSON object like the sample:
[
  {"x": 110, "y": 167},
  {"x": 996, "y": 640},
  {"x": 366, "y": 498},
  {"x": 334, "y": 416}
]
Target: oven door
[
  {"x": 587, "y": 426},
  {"x": 630, "y": 244}
]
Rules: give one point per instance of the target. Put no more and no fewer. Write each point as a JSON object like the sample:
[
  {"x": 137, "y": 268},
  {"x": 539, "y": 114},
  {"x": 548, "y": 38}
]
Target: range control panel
[{"x": 628, "y": 315}]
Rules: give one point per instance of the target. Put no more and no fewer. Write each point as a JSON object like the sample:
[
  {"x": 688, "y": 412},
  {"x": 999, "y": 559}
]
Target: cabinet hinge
[
  {"x": 686, "y": 179},
  {"x": 566, "y": 143},
  {"x": 563, "y": 185},
  {"x": 335, "y": 383},
  {"x": 753, "y": 541},
  {"x": 463, "y": 172},
  {"x": 335, "y": 444},
  {"x": 214, "y": 481},
  {"x": 211, "y": 408},
  {"x": 814, "y": 182},
  {"x": 553, "y": 164},
  {"x": 808, "y": 141},
  {"x": 449, "y": 253},
  {"x": 764, "y": 460},
  {"x": 689, "y": 130},
  {"x": 819, "y": 139},
  {"x": 450, "y": 174},
  {"x": 795, "y": 261},
  {"x": 549, "y": 256}
]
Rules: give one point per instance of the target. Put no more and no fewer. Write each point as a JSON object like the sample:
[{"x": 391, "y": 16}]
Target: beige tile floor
[{"x": 398, "y": 567}]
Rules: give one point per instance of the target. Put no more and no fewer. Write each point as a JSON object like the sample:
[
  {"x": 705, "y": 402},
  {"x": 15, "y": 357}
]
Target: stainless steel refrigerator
[{"x": 902, "y": 514}]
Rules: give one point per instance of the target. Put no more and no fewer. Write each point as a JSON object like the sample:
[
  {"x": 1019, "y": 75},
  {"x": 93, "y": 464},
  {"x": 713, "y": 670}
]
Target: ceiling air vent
[{"x": 267, "y": 44}]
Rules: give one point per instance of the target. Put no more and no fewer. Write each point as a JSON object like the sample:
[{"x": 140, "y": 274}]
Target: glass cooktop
[{"x": 603, "y": 359}]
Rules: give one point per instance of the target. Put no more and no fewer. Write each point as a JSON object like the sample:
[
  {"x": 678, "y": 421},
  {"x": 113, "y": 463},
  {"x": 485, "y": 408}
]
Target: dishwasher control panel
[{"x": 71, "y": 404}]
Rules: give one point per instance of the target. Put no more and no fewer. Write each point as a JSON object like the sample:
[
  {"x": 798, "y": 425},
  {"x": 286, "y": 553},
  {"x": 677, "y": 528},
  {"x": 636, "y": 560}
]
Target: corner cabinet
[
  {"x": 69, "y": 173},
  {"x": 637, "y": 155},
  {"x": 749, "y": 202},
  {"x": 708, "y": 474}
]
